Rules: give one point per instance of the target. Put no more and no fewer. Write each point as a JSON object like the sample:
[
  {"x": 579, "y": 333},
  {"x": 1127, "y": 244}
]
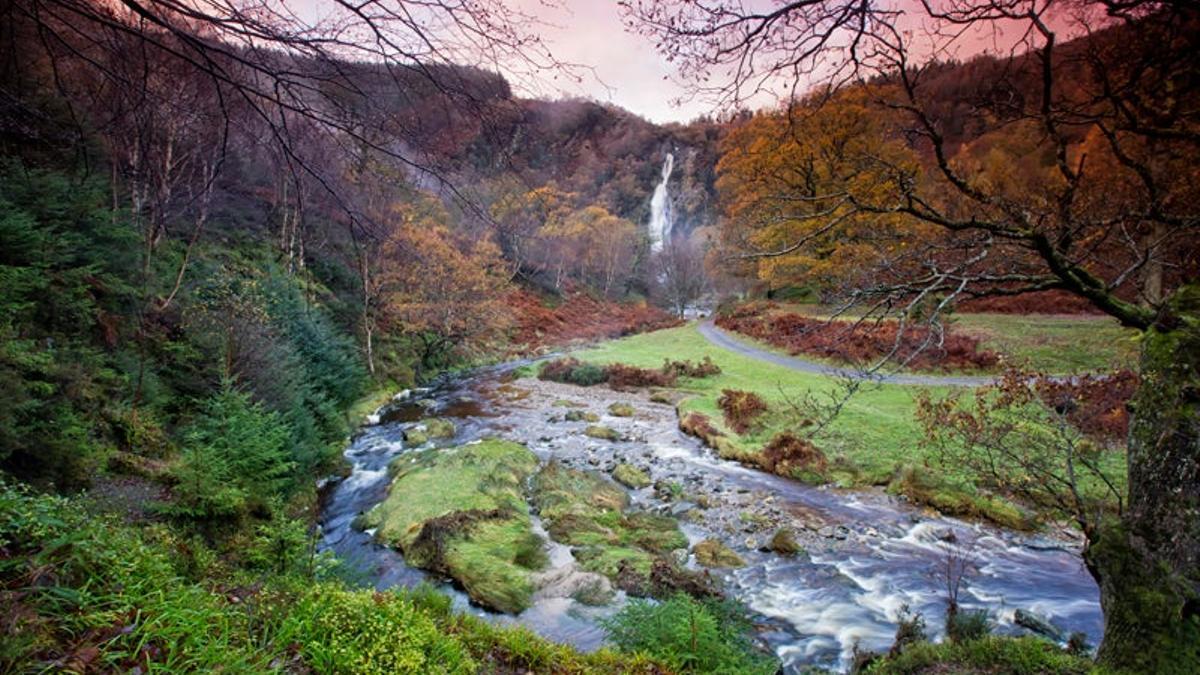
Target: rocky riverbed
[{"x": 823, "y": 570}]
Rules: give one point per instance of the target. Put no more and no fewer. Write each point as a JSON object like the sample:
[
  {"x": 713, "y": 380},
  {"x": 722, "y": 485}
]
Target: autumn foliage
[
  {"x": 859, "y": 342},
  {"x": 741, "y": 408},
  {"x": 579, "y": 316},
  {"x": 787, "y": 453},
  {"x": 1096, "y": 405}
]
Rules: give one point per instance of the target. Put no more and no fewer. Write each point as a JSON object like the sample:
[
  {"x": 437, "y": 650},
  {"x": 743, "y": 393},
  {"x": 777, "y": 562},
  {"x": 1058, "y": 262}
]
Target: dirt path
[{"x": 724, "y": 340}]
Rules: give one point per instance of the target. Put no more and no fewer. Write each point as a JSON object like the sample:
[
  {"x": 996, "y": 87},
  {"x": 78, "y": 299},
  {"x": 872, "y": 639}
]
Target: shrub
[
  {"x": 964, "y": 626},
  {"x": 621, "y": 375},
  {"x": 705, "y": 368},
  {"x": 910, "y": 629},
  {"x": 689, "y": 635},
  {"x": 572, "y": 371},
  {"x": 341, "y": 631},
  {"x": 741, "y": 408},
  {"x": 787, "y": 454}
]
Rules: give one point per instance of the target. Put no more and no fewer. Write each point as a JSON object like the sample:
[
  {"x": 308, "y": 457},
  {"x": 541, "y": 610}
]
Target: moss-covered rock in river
[
  {"x": 784, "y": 542},
  {"x": 602, "y": 432},
  {"x": 712, "y": 553},
  {"x": 590, "y": 513},
  {"x": 436, "y": 427},
  {"x": 460, "y": 512},
  {"x": 581, "y": 416},
  {"x": 630, "y": 476},
  {"x": 621, "y": 410}
]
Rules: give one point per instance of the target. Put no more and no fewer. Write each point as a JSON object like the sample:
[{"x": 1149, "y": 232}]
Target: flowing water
[
  {"x": 868, "y": 555},
  {"x": 661, "y": 213}
]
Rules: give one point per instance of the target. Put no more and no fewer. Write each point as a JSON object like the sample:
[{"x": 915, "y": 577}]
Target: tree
[
  {"x": 444, "y": 293},
  {"x": 235, "y": 457},
  {"x": 679, "y": 273},
  {"x": 1130, "y": 84},
  {"x": 598, "y": 246}
]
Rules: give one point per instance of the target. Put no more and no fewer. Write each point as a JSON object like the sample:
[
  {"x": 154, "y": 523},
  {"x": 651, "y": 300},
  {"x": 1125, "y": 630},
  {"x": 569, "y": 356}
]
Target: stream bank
[{"x": 864, "y": 555}]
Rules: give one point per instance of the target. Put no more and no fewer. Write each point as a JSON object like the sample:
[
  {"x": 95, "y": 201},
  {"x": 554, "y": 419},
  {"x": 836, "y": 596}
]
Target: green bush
[
  {"x": 963, "y": 626},
  {"x": 352, "y": 632},
  {"x": 689, "y": 635},
  {"x": 235, "y": 457}
]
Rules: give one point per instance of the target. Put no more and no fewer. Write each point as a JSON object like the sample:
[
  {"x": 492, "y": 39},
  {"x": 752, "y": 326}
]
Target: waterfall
[{"x": 661, "y": 215}]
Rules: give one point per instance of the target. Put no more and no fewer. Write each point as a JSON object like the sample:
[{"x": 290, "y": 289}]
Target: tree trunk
[{"x": 1149, "y": 563}]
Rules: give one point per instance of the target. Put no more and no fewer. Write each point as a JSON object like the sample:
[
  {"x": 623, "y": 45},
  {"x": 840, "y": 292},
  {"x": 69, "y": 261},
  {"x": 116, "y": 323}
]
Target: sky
[{"x": 626, "y": 70}]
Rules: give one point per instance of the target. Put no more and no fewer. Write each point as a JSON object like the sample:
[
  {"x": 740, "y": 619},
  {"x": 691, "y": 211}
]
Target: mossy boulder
[
  {"x": 461, "y": 512},
  {"x": 630, "y": 476},
  {"x": 621, "y": 410},
  {"x": 602, "y": 432},
  {"x": 438, "y": 427},
  {"x": 581, "y": 416},
  {"x": 590, "y": 513},
  {"x": 712, "y": 553},
  {"x": 416, "y": 436},
  {"x": 784, "y": 542}
]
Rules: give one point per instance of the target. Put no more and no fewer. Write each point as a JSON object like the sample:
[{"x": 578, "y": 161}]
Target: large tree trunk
[{"x": 1149, "y": 562}]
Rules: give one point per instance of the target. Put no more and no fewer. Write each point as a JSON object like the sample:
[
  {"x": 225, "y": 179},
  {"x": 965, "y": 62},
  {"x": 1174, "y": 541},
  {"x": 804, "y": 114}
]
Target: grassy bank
[
  {"x": 875, "y": 440},
  {"x": 89, "y": 593}
]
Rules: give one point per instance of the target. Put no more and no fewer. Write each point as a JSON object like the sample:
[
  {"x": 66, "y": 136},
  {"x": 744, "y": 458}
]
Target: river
[{"x": 867, "y": 554}]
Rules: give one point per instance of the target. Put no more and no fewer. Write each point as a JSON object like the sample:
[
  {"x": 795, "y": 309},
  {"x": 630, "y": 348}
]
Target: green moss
[
  {"x": 415, "y": 437},
  {"x": 784, "y": 542},
  {"x": 581, "y": 416},
  {"x": 621, "y": 410},
  {"x": 437, "y": 427},
  {"x": 712, "y": 553},
  {"x": 588, "y": 512},
  {"x": 602, "y": 432},
  {"x": 461, "y": 512},
  {"x": 630, "y": 476}
]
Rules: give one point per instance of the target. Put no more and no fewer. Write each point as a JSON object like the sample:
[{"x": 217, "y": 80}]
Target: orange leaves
[
  {"x": 805, "y": 191},
  {"x": 438, "y": 283}
]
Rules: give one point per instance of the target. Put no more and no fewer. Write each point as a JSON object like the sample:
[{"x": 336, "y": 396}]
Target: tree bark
[{"x": 1148, "y": 563}]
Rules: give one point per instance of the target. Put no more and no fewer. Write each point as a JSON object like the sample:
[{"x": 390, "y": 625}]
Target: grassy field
[
  {"x": 875, "y": 440},
  {"x": 1053, "y": 343},
  {"x": 875, "y": 432}
]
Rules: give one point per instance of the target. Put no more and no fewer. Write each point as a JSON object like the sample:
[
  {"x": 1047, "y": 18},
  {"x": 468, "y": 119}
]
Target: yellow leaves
[
  {"x": 435, "y": 281},
  {"x": 807, "y": 190}
]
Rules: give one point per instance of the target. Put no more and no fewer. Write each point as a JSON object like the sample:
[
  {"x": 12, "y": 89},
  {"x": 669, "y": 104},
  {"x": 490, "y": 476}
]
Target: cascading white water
[{"x": 661, "y": 215}]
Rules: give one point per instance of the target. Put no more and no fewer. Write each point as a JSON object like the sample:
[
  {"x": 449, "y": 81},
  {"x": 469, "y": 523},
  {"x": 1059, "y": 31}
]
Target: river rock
[
  {"x": 621, "y": 410},
  {"x": 712, "y": 553},
  {"x": 630, "y": 476},
  {"x": 1038, "y": 624}
]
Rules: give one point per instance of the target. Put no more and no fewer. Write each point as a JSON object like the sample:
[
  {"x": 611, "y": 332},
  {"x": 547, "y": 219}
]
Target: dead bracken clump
[
  {"x": 741, "y": 408},
  {"x": 845, "y": 341},
  {"x": 788, "y": 452},
  {"x": 1093, "y": 404},
  {"x": 706, "y": 368},
  {"x": 699, "y": 426},
  {"x": 621, "y": 375}
]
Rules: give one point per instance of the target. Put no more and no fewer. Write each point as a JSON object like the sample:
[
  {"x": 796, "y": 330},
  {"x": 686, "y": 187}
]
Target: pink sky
[{"x": 631, "y": 74}]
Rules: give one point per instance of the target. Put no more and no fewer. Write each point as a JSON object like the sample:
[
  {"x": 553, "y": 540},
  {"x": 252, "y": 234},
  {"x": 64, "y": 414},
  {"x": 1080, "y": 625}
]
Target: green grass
[
  {"x": 468, "y": 502},
  {"x": 1016, "y": 656},
  {"x": 94, "y": 594},
  {"x": 874, "y": 440},
  {"x": 876, "y": 430},
  {"x": 1054, "y": 343}
]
